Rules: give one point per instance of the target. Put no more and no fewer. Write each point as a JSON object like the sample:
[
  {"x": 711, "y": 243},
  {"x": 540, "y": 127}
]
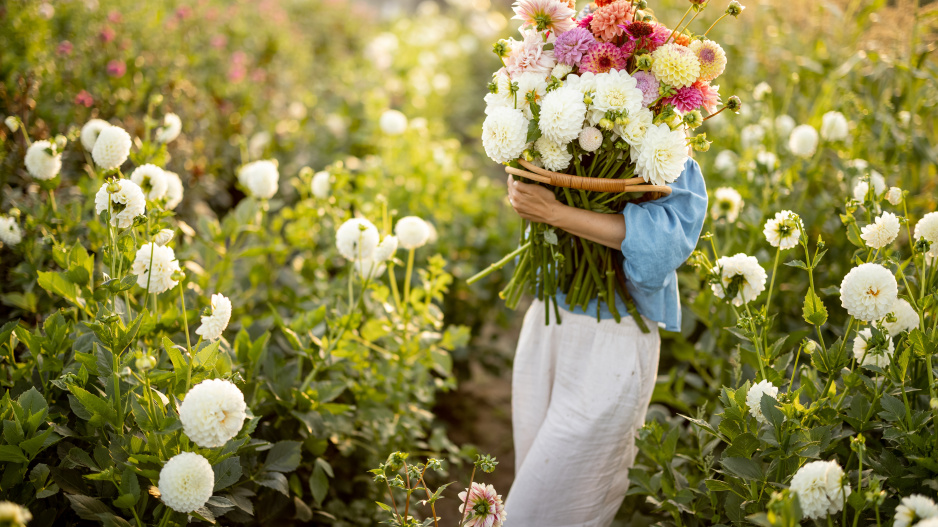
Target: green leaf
[
  {"x": 101, "y": 411},
  {"x": 180, "y": 366},
  {"x": 770, "y": 411},
  {"x": 12, "y": 454},
  {"x": 59, "y": 284},
  {"x": 319, "y": 484},
  {"x": 853, "y": 234},
  {"x": 129, "y": 484},
  {"x": 814, "y": 311},
  {"x": 227, "y": 473},
  {"x": 743, "y": 468},
  {"x": 744, "y": 445},
  {"x": 717, "y": 485},
  {"x": 88, "y": 508},
  {"x": 284, "y": 456},
  {"x": 274, "y": 480},
  {"x": 534, "y": 132}
]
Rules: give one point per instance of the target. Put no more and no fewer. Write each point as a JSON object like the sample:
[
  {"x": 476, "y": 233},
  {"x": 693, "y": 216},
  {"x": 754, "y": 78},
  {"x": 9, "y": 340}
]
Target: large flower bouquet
[{"x": 612, "y": 94}]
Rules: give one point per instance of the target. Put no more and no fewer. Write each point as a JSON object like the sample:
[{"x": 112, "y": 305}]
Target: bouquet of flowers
[{"x": 584, "y": 100}]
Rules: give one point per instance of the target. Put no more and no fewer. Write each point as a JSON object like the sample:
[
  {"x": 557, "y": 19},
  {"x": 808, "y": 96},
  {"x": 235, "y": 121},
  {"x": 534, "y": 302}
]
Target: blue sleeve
[{"x": 661, "y": 234}]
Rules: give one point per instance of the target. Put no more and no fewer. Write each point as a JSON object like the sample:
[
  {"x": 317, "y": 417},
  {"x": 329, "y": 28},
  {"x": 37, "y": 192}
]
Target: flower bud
[
  {"x": 163, "y": 237},
  {"x": 156, "y": 99},
  {"x": 60, "y": 142},
  {"x": 734, "y": 9},
  {"x": 700, "y": 143},
  {"x": 693, "y": 119},
  {"x": 305, "y": 172},
  {"x": 605, "y": 124},
  {"x": 733, "y": 104},
  {"x": 933, "y": 403},
  {"x": 12, "y": 122},
  {"x": 894, "y": 195},
  {"x": 587, "y": 99},
  {"x": 643, "y": 62},
  {"x": 810, "y": 347},
  {"x": 113, "y": 186},
  {"x": 528, "y": 156},
  {"x": 501, "y": 48},
  {"x": 145, "y": 362},
  {"x": 178, "y": 276},
  {"x": 641, "y": 4}
]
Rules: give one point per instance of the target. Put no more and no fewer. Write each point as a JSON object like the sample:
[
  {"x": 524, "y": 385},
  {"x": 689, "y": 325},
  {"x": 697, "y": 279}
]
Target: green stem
[
  {"x": 185, "y": 322},
  {"x": 499, "y": 264},
  {"x": 465, "y": 503},
  {"x": 410, "y": 271},
  {"x": 714, "y": 24}
]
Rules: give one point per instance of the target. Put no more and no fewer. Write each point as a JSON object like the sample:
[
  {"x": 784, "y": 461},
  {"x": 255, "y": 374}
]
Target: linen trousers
[{"x": 579, "y": 392}]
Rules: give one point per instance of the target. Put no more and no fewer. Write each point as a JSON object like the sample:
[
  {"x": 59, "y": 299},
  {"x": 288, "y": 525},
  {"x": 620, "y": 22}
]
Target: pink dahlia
[
  {"x": 585, "y": 22},
  {"x": 116, "y": 68},
  {"x": 485, "y": 508},
  {"x": 555, "y": 15},
  {"x": 84, "y": 98},
  {"x": 648, "y": 84},
  {"x": 658, "y": 37},
  {"x": 571, "y": 46},
  {"x": 686, "y": 99},
  {"x": 604, "y": 57},
  {"x": 529, "y": 55},
  {"x": 709, "y": 95},
  {"x": 608, "y": 19}
]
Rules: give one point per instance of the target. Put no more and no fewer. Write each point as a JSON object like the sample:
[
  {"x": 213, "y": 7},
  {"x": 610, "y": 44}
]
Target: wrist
[{"x": 557, "y": 214}]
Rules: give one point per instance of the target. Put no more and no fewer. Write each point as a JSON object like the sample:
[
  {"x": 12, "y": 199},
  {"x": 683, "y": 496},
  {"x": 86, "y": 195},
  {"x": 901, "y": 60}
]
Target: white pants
[{"x": 579, "y": 393}]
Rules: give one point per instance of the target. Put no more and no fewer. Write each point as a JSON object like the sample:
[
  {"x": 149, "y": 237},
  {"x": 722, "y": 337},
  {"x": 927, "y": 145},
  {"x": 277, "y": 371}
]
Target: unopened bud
[
  {"x": 734, "y": 9},
  {"x": 528, "y": 156},
  {"x": 605, "y": 124},
  {"x": 156, "y": 99},
  {"x": 700, "y": 143},
  {"x": 894, "y": 195},
  {"x": 641, "y": 4},
  {"x": 693, "y": 119},
  {"x": 163, "y": 237},
  {"x": 933, "y": 403},
  {"x": 12, "y": 122},
  {"x": 587, "y": 99},
  {"x": 113, "y": 186},
  {"x": 178, "y": 276},
  {"x": 644, "y": 62},
  {"x": 145, "y": 363},
  {"x": 60, "y": 142},
  {"x": 810, "y": 347},
  {"x": 501, "y": 48},
  {"x": 733, "y": 104}
]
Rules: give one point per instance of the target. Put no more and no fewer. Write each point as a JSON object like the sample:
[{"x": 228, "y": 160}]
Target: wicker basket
[{"x": 557, "y": 179}]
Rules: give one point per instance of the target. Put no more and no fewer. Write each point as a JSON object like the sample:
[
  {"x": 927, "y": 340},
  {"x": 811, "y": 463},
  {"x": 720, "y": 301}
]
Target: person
[{"x": 581, "y": 388}]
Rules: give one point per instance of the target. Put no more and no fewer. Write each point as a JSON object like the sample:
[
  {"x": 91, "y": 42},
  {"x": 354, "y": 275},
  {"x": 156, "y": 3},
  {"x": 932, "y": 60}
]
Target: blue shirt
[{"x": 660, "y": 235}]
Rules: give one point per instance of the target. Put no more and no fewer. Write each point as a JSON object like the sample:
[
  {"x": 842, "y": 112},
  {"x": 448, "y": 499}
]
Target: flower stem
[
  {"x": 499, "y": 264},
  {"x": 714, "y": 24},
  {"x": 465, "y": 503},
  {"x": 673, "y": 31},
  {"x": 185, "y": 322}
]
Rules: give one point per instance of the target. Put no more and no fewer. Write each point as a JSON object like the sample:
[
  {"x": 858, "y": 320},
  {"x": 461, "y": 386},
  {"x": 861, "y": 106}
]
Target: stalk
[
  {"x": 185, "y": 323},
  {"x": 679, "y": 24}
]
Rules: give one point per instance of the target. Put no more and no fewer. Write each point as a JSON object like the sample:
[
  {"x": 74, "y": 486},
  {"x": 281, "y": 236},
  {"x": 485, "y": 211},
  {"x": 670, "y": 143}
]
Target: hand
[{"x": 533, "y": 202}]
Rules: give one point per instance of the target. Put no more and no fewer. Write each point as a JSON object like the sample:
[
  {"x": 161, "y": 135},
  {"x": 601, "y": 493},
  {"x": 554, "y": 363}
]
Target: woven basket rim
[{"x": 557, "y": 179}]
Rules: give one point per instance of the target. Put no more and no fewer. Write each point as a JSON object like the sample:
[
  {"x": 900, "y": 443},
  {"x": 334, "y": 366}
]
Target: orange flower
[
  {"x": 608, "y": 18},
  {"x": 682, "y": 39}
]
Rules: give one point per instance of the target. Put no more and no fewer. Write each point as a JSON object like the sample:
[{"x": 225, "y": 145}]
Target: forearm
[{"x": 604, "y": 229}]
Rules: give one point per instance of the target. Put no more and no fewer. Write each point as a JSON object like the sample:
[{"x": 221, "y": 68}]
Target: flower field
[{"x": 235, "y": 239}]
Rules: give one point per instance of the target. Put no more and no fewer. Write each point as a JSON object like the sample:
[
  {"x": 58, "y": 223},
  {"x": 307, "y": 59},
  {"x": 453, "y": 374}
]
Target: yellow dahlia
[
  {"x": 675, "y": 65},
  {"x": 712, "y": 59}
]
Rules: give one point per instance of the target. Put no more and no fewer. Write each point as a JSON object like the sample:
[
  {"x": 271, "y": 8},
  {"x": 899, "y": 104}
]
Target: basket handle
[{"x": 557, "y": 179}]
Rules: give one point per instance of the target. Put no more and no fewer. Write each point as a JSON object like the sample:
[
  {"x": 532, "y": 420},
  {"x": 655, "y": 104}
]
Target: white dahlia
[
  {"x": 42, "y": 161},
  {"x": 913, "y": 509},
  {"x": 784, "y": 230},
  {"x": 754, "y": 398},
  {"x": 803, "y": 141},
  {"x": 386, "y": 249},
  {"x": 369, "y": 269},
  {"x": 393, "y": 122},
  {"x": 878, "y": 356},
  {"x": 504, "y": 134},
  {"x": 562, "y": 114},
  {"x": 10, "y": 233},
  {"x": 834, "y": 126},
  {"x": 168, "y": 133},
  {"x": 356, "y": 239},
  {"x": 412, "y": 232},
  {"x": 616, "y": 91},
  {"x": 635, "y": 129},
  {"x": 529, "y": 85},
  {"x": 761, "y": 90},
  {"x": 868, "y": 292},
  {"x": 321, "y": 185},
  {"x": 151, "y": 179},
  {"x": 927, "y": 229},
  {"x": 821, "y": 488},
  {"x": 727, "y": 202},
  {"x": 882, "y": 232},
  {"x": 216, "y": 320},
  {"x": 784, "y": 124},
  {"x": 584, "y": 83},
  {"x": 591, "y": 139},
  {"x": 126, "y": 204},
  {"x": 186, "y": 482},
  {"x": 502, "y": 97},
  {"x": 726, "y": 162},
  {"x": 560, "y": 71},
  {"x": 675, "y": 65},
  {"x": 90, "y": 131},
  {"x": 752, "y": 135},
  {"x": 154, "y": 266},
  {"x": 111, "y": 148},
  {"x": 14, "y": 514},
  {"x": 554, "y": 156},
  {"x": 767, "y": 159},
  {"x": 174, "y": 190},
  {"x": 906, "y": 318},
  {"x": 260, "y": 178},
  {"x": 212, "y": 413},
  {"x": 862, "y": 188},
  {"x": 894, "y": 196},
  {"x": 741, "y": 272},
  {"x": 163, "y": 237},
  {"x": 662, "y": 155}
]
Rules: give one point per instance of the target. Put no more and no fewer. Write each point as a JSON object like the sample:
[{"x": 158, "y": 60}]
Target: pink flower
[
  {"x": 65, "y": 48},
  {"x": 114, "y": 17},
  {"x": 237, "y": 71},
  {"x": 686, "y": 99},
  {"x": 572, "y": 45},
  {"x": 709, "y": 95},
  {"x": 107, "y": 34},
  {"x": 485, "y": 507},
  {"x": 554, "y": 15},
  {"x": 116, "y": 68},
  {"x": 648, "y": 84},
  {"x": 84, "y": 99},
  {"x": 585, "y": 22},
  {"x": 529, "y": 55},
  {"x": 608, "y": 19},
  {"x": 604, "y": 57}
]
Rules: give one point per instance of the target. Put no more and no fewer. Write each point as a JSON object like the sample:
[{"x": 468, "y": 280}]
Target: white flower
[
  {"x": 502, "y": 98},
  {"x": 172, "y": 125},
  {"x": 726, "y": 202},
  {"x": 321, "y": 184},
  {"x": 12, "y": 123},
  {"x": 591, "y": 139},
  {"x": 215, "y": 322},
  {"x": 726, "y": 162},
  {"x": 368, "y": 268},
  {"x": 560, "y": 71},
  {"x": 662, "y": 155},
  {"x": 761, "y": 90},
  {"x": 152, "y": 181},
  {"x": 635, "y": 129},
  {"x": 868, "y": 292},
  {"x": 754, "y": 398},
  {"x": 818, "y": 486},
  {"x": 915, "y": 508},
  {"x": 784, "y": 124},
  {"x": 616, "y": 91},
  {"x": 260, "y": 178},
  {"x": 126, "y": 204},
  {"x": 532, "y": 84},
  {"x": 875, "y": 357},
  {"x": 784, "y": 230},
  {"x": 412, "y": 232},
  {"x": 356, "y": 239},
  {"x": 767, "y": 159},
  {"x": 14, "y": 515},
  {"x": 529, "y": 55},
  {"x": 89, "y": 132},
  {"x": 186, "y": 482},
  {"x": 42, "y": 161},
  {"x": 584, "y": 82},
  {"x": 504, "y": 134},
  {"x": 154, "y": 266},
  {"x": 111, "y": 148},
  {"x": 163, "y": 237},
  {"x": 740, "y": 271},
  {"x": 752, "y": 135},
  {"x": 386, "y": 249},
  {"x": 862, "y": 187},
  {"x": 174, "y": 190},
  {"x": 562, "y": 114},
  {"x": 927, "y": 228},
  {"x": 894, "y": 196},
  {"x": 10, "y": 233},
  {"x": 882, "y": 231},
  {"x": 213, "y": 411},
  {"x": 834, "y": 126},
  {"x": 906, "y": 318},
  {"x": 930, "y": 522},
  {"x": 393, "y": 122},
  {"x": 803, "y": 141},
  {"x": 555, "y": 157}
]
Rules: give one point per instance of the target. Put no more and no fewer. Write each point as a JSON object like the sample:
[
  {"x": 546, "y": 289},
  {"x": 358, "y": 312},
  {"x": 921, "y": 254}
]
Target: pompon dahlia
[
  {"x": 186, "y": 482},
  {"x": 213, "y": 412},
  {"x": 604, "y": 57},
  {"x": 152, "y": 180},
  {"x": 480, "y": 506},
  {"x": 820, "y": 488},
  {"x": 42, "y": 160},
  {"x": 868, "y": 292},
  {"x": 412, "y": 232},
  {"x": 927, "y": 229},
  {"x": 357, "y": 239},
  {"x": 648, "y": 84},
  {"x": 504, "y": 134},
  {"x": 215, "y": 322},
  {"x": 572, "y": 45},
  {"x": 154, "y": 266},
  {"x": 608, "y": 19},
  {"x": 14, "y": 515},
  {"x": 126, "y": 204},
  {"x": 562, "y": 114},
  {"x": 111, "y": 148},
  {"x": 90, "y": 131},
  {"x": 712, "y": 58},
  {"x": 914, "y": 508},
  {"x": 906, "y": 318},
  {"x": 554, "y": 156},
  {"x": 709, "y": 96},
  {"x": 260, "y": 178},
  {"x": 754, "y": 398},
  {"x": 675, "y": 65},
  {"x": 174, "y": 190},
  {"x": 591, "y": 139},
  {"x": 10, "y": 233},
  {"x": 554, "y": 15},
  {"x": 687, "y": 99}
]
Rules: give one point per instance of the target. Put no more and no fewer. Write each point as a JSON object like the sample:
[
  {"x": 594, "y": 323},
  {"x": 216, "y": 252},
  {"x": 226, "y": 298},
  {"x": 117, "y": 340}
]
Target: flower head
[
  {"x": 709, "y": 96},
  {"x": 868, "y": 292},
  {"x": 173, "y": 190},
  {"x": 821, "y": 488},
  {"x": 111, "y": 148},
  {"x": 213, "y": 412},
  {"x": 554, "y": 15},
  {"x": 154, "y": 266},
  {"x": 393, "y": 122},
  {"x": 636, "y": 129},
  {"x": 726, "y": 203},
  {"x": 894, "y": 195},
  {"x": 356, "y": 239},
  {"x": 913, "y": 509},
  {"x": 163, "y": 237},
  {"x": 712, "y": 58},
  {"x": 648, "y": 84},
  {"x": 687, "y": 99},
  {"x": 882, "y": 231},
  {"x": 562, "y": 114},
  {"x": 754, "y": 398},
  {"x": 260, "y": 178},
  {"x": 186, "y": 482},
  {"x": 740, "y": 277},
  {"x": 152, "y": 181},
  {"x": 42, "y": 160},
  {"x": 761, "y": 90},
  {"x": 726, "y": 162},
  {"x": 90, "y": 131},
  {"x": 608, "y": 20},
  {"x": 321, "y": 184},
  {"x": 14, "y": 515},
  {"x": 879, "y": 354},
  {"x": 215, "y": 322},
  {"x": 504, "y": 134},
  {"x": 784, "y": 230},
  {"x": 906, "y": 318},
  {"x": 616, "y": 91},
  {"x": 591, "y": 139},
  {"x": 834, "y": 126},
  {"x": 529, "y": 55},
  {"x": 172, "y": 125},
  {"x": 662, "y": 155},
  {"x": 604, "y": 57},
  {"x": 125, "y": 204},
  {"x": 927, "y": 229},
  {"x": 386, "y": 249},
  {"x": 675, "y": 65},
  {"x": 553, "y": 155},
  {"x": 803, "y": 141},
  {"x": 412, "y": 232},
  {"x": 10, "y": 233},
  {"x": 560, "y": 71},
  {"x": 481, "y": 506},
  {"x": 571, "y": 47}
]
